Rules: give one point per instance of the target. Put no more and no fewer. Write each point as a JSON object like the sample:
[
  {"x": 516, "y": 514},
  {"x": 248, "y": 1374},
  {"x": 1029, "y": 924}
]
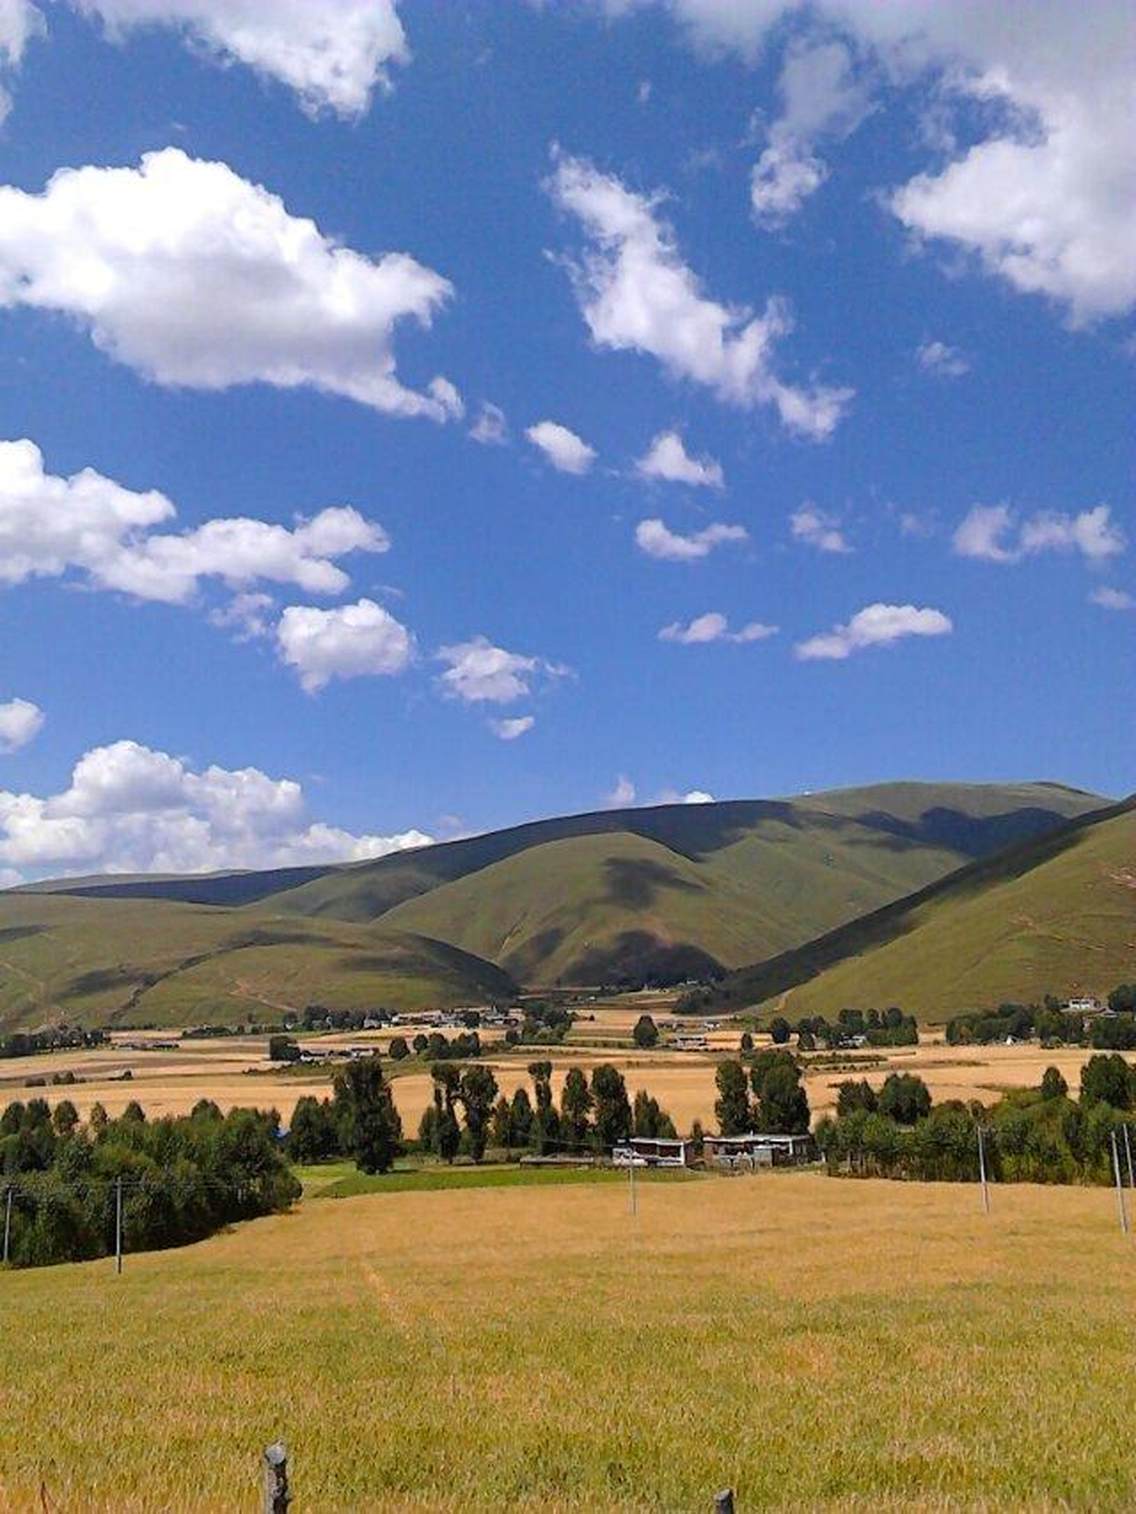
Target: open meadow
[{"x": 814, "y": 1343}]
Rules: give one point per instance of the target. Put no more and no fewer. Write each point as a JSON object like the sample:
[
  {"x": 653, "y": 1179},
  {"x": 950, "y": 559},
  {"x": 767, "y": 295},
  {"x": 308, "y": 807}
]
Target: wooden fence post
[
  {"x": 276, "y": 1499},
  {"x": 724, "y": 1501}
]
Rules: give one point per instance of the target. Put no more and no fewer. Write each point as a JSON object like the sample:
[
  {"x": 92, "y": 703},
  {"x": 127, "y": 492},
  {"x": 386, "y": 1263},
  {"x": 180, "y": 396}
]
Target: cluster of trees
[
  {"x": 359, "y": 1120},
  {"x": 182, "y": 1179},
  {"x": 1031, "y": 1135},
  {"x": 542, "y": 1024},
  {"x": 27, "y": 1043},
  {"x": 646, "y": 1033},
  {"x": 1051, "y": 1024},
  {"x": 889, "y": 1027},
  {"x": 779, "y": 1104},
  {"x": 319, "y": 1017},
  {"x": 436, "y": 1048}
]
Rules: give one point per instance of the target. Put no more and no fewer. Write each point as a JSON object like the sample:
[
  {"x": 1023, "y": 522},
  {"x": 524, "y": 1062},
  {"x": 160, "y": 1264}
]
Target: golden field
[
  {"x": 814, "y": 1343},
  {"x": 235, "y": 1070}
]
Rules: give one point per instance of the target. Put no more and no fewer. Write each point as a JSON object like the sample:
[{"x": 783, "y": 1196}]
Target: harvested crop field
[{"x": 812, "y": 1342}]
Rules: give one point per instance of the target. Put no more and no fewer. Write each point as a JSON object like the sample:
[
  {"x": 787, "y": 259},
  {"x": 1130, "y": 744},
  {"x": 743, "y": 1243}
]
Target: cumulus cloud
[
  {"x": 89, "y": 525},
  {"x": 994, "y": 534},
  {"x": 636, "y": 294},
  {"x": 941, "y": 360},
  {"x": 1047, "y": 199},
  {"x": 667, "y": 459},
  {"x": 477, "y": 672},
  {"x": 332, "y": 53},
  {"x": 692, "y": 796},
  {"x": 875, "y": 626},
  {"x": 566, "y": 451},
  {"x": 129, "y": 808},
  {"x": 621, "y": 795},
  {"x": 1113, "y": 599},
  {"x": 195, "y": 277},
  {"x": 351, "y": 641},
  {"x": 659, "y": 541},
  {"x": 512, "y": 727},
  {"x": 821, "y": 98},
  {"x": 816, "y": 528},
  {"x": 248, "y": 616},
  {"x": 19, "y": 22},
  {"x": 713, "y": 626},
  {"x": 490, "y": 428},
  {"x": 20, "y": 722}
]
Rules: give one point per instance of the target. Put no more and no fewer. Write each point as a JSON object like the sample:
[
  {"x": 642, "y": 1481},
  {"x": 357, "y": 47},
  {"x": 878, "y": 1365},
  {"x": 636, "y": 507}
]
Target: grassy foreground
[{"x": 813, "y": 1343}]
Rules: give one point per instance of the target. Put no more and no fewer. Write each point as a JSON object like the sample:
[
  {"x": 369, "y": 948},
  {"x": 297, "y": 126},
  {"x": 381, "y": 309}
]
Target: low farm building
[
  {"x": 652, "y": 1151},
  {"x": 757, "y": 1150}
]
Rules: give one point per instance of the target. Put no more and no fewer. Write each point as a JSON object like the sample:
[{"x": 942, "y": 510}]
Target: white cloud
[
  {"x": 351, "y": 641},
  {"x": 875, "y": 626},
  {"x": 692, "y": 796},
  {"x": 658, "y": 540},
  {"x": 622, "y": 795},
  {"x": 479, "y": 672},
  {"x": 942, "y": 360},
  {"x": 821, "y": 99},
  {"x": 713, "y": 626},
  {"x": 636, "y": 294},
  {"x": 818, "y": 529},
  {"x": 132, "y": 809},
  {"x": 566, "y": 451},
  {"x": 513, "y": 727},
  {"x": 667, "y": 459},
  {"x": 20, "y": 722},
  {"x": 490, "y": 428},
  {"x": 88, "y": 524},
  {"x": 1113, "y": 599},
  {"x": 248, "y": 616},
  {"x": 1047, "y": 200},
  {"x": 992, "y": 533},
  {"x": 195, "y": 277},
  {"x": 333, "y": 53},
  {"x": 19, "y": 22}
]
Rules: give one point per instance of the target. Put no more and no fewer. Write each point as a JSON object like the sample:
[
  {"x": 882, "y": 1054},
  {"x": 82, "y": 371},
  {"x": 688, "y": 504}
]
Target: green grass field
[
  {"x": 341, "y": 1180},
  {"x": 816, "y": 1344}
]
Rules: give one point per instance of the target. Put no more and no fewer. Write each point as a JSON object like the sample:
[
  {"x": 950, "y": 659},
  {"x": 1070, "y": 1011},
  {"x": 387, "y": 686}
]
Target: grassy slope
[
  {"x": 721, "y": 887},
  {"x": 811, "y": 1343},
  {"x": 102, "y": 962},
  {"x": 1056, "y": 915}
]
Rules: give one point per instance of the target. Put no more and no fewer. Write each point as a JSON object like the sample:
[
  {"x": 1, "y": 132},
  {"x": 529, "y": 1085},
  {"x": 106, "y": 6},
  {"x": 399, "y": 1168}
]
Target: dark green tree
[
  {"x": 780, "y": 1030},
  {"x": 477, "y": 1091},
  {"x": 1053, "y": 1085},
  {"x": 520, "y": 1118},
  {"x": 398, "y": 1049},
  {"x": 852, "y": 1095},
  {"x": 575, "y": 1107},
  {"x": 64, "y": 1118},
  {"x": 646, "y": 1033},
  {"x": 731, "y": 1108},
  {"x": 612, "y": 1119},
  {"x": 782, "y": 1106},
  {"x": 904, "y": 1098},
  {"x": 1107, "y": 1080},
  {"x": 365, "y": 1115},
  {"x": 447, "y": 1131}
]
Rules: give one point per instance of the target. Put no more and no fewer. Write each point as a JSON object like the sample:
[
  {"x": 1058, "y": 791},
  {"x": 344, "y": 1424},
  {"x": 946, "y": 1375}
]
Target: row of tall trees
[
  {"x": 779, "y": 1104},
  {"x": 181, "y": 1179},
  {"x": 1051, "y": 1023},
  {"x": 1036, "y": 1135}
]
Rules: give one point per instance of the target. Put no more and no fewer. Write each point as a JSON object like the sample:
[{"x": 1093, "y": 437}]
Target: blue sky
[{"x": 822, "y": 316}]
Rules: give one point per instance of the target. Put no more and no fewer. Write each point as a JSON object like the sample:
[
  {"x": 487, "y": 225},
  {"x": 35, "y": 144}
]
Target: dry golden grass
[
  {"x": 814, "y": 1343},
  {"x": 683, "y": 1082}
]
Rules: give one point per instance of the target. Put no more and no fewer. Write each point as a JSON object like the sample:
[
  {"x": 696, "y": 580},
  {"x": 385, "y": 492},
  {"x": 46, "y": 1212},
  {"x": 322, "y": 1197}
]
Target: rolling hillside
[
  {"x": 675, "y": 891},
  {"x": 1054, "y": 915},
  {"x": 107, "y": 962}
]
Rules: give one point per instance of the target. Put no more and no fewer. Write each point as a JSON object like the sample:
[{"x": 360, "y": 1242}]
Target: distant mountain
[{"x": 1056, "y": 914}]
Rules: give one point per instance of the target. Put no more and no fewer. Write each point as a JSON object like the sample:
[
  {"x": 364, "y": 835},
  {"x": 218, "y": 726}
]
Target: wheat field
[{"x": 813, "y": 1343}]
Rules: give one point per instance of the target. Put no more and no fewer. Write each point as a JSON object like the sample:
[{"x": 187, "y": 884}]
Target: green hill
[
  {"x": 683, "y": 889},
  {"x": 672, "y": 892},
  {"x": 1054, "y": 915},
  {"x": 109, "y": 961}
]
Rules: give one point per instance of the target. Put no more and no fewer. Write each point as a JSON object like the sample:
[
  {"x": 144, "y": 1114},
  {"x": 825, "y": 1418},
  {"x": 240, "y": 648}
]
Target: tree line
[
  {"x": 779, "y": 1104},
  {"x": 182, "y": 1178},
  {"x": 1051, "y": 1024},
  {"x": 1037, "y": 1135},
  {"x": 468, "y": 1114},
  {"x": 29, "y": 1043}
]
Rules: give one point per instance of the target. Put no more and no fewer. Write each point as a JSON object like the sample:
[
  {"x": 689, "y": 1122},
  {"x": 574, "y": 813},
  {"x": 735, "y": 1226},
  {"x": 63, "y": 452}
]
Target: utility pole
[
  {"x": 118, "y": 1224},
  {"x": 8, "y": 1222},
  {"x": 1119, "y": 1185},
  {"x": 982, "y": 1172},
  {"x": 632, "y": 1196}
]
